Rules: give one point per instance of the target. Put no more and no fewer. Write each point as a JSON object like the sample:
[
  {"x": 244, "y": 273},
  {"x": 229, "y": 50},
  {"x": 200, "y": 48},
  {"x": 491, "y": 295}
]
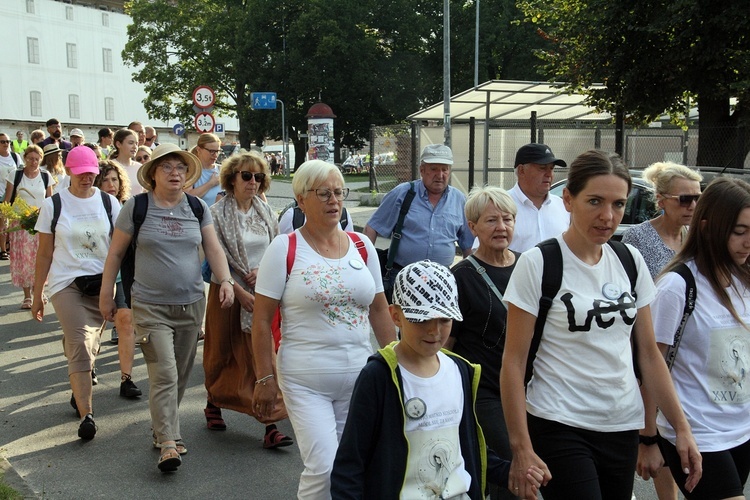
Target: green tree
[{"x": 655, "y": 56}]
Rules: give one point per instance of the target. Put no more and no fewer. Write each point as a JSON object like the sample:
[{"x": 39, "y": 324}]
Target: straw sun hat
[{"x": 145, "y": 173}]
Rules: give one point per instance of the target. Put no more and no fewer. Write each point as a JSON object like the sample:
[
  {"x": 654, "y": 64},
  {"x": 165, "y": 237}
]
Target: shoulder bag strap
[
  {"x": 291, "y": 253},
  {"x": 361, "y": 248},
  {"x": 481, "y": 271},
  {"x": 690, "y": 295},
  {"x": 396, "y": 234},
  {"x": 56, "y": 209}
]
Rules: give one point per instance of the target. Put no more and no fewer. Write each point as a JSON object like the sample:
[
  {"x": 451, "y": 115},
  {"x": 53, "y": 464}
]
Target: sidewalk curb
[{"x": 14, "y": 480}]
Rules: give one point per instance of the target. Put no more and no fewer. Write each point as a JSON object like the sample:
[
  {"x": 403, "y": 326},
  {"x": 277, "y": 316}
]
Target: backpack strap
[
  {"x": 196, "y": 206},
  {"x": 690, "y": 296},
  {"x": 551, "y": 282},
  {"x": 344, "y": 219},
  {"x": 291, "y": 253},
  {"x": 15, "y": 157},
  {"x": 628, "y": 262},
  {"x": 56, "y": 209},
  {"x": 396, "y": 234},
  {"x": 107, "y": 202},
  {"x": 16, "y": 182},
  {"x": 140, "y": 208},
  {"x": 361, "y": 248},
  {"x": 298, "y": 217}
]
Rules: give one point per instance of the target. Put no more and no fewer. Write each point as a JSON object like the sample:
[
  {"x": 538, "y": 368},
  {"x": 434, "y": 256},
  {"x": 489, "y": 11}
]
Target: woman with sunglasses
[
  {"x": 677, "y": 190},
  {"x": 208, "y": 185},
  {"x": 143, "y": 154},
  {"x": 245, "y": 225},
  {"x": 329, "y": 287},
  {"x": 710, "y": 365}
]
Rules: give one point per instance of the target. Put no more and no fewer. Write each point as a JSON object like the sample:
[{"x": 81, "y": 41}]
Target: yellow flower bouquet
[{"x": 20, "y": 211}]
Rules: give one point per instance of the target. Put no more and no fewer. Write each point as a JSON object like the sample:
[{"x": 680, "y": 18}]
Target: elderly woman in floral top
[{"x": 332, "y": 295}]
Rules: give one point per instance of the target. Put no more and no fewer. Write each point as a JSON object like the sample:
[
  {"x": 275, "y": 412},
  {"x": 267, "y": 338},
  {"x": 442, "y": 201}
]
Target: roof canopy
[{"x": 514, "y": 100}]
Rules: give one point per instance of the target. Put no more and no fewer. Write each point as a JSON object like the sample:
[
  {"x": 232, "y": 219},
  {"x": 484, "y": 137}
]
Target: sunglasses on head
[
  {"x": 142, "y": 159},
  {"x": 685, "y": 200},
  {"x": 246, "y": 176}
]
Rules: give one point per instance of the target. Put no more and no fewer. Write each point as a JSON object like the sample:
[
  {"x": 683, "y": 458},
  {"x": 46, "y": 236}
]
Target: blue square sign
[{"x": 263, "y": 100}]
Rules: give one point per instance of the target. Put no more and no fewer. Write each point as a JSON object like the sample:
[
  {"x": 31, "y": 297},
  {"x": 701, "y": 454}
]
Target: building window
[
  {"x": 69, "y": 13},
  {"x": 29, "y": 6},
  {"x": 107, "y": 60},
  {"x": 36, "y": 103},
  {"x": 32, "y": 44},
  {"x": 105, "y": 19},
  {"x": 74, "y": 105},
  {"x": 72, "y": 55},
  {"x": 109, "y": 108}
]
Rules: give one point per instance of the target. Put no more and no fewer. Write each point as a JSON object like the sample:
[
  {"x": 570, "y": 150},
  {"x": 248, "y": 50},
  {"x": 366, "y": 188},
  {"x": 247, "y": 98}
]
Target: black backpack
[
  {"x": 127, "y": 267},
  {"x": 17, "y": 180},
  {"x": 552, "y": 280}
]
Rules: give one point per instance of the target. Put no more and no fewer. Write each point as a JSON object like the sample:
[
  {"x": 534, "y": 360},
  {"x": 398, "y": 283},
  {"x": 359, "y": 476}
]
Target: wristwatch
[
  {"x": 647, "y": 440},
  {"x": 228, "y": 280}
]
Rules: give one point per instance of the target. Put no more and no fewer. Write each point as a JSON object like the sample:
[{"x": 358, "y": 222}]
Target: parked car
[{"x": 641, "y": 202}]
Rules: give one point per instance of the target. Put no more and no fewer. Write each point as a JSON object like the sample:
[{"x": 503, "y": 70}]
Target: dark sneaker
[
  {"x": 87, "y": 429},
  {"x": 114, "y": 339},
  {"x": 129, "y": 390},
  {"x": 94, "y": 378}
]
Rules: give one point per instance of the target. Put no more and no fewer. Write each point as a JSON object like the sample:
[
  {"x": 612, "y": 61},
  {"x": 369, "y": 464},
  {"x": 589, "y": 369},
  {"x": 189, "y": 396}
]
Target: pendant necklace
[{"x": 312, "y": 240}]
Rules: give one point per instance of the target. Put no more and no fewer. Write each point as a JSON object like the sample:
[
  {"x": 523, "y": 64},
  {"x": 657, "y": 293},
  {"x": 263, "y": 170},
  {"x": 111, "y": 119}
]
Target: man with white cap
[
  {"x": 435, "y": 221},
  {"x": 541, "y": 215},
  {"x": 76, "y": 139}
]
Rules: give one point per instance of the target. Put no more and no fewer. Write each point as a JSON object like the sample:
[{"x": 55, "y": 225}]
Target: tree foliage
[
  {"x": 372, "y": 61},
  {"x": 653, "y": 56}
]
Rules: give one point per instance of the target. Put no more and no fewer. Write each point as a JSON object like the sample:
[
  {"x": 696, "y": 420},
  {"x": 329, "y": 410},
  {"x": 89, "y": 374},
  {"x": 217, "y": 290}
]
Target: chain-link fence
[{"x": 396, "y": 148}]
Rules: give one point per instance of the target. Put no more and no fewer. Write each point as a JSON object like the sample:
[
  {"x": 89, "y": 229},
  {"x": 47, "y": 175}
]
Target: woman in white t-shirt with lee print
[
  {"x": 72, "y": 255},
  {"x": 710, "y": 370},
  {"x": 580, "y": 415}
]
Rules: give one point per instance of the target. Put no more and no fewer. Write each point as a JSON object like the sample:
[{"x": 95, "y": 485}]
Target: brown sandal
[{"x": 213, "y": 419}]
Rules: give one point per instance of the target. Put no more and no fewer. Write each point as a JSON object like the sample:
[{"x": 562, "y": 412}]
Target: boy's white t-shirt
[
  {"x": 710, "y": 371},
  {"x": 81, "y": 237},
  {"x": 325, "y": 305},
  {"x": 433, "y": 411},
  {"x": 583, "y": 371}
]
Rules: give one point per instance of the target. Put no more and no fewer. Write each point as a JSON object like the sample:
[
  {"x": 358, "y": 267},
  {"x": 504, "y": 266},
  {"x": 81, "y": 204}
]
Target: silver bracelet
[{"x": 263, "y": 380}]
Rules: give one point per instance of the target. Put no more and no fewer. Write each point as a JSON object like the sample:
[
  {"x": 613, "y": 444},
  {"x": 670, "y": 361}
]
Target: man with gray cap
[
  {"x": 541, "y": 215},
  {"x": 435, "y": 221}
]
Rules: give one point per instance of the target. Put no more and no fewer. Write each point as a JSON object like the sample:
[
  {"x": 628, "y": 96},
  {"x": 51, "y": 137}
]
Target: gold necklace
[{"x": 312, "y": 240}]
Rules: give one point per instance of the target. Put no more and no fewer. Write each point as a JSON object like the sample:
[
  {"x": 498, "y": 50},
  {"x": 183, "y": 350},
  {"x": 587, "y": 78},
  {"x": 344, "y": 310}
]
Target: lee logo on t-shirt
[{"x": 602, "y": 310}]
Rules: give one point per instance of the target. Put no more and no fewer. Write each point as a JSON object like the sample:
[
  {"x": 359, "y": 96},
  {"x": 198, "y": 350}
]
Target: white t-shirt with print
[
  {"x": 324, "y": 306},
  {"x": 434, "y": 407},
  {"x": 32, "y": 191},
  {"x": 710, "y": 371},
  {"x": 583, "y": 371},
  {"x": 81, "y": 237}
]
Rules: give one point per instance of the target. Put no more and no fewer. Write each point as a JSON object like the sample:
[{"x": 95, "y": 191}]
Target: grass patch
[{"x": 6, "y": 492}]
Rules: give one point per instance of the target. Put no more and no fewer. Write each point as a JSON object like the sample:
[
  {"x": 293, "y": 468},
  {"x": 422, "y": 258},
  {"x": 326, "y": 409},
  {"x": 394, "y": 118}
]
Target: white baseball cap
[{"x": 426, "y": 290}]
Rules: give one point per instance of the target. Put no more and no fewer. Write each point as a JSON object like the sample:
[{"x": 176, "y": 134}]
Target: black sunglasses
[
  {"x": 246, "y": 176},
  {"x": 685, "y": 200}
]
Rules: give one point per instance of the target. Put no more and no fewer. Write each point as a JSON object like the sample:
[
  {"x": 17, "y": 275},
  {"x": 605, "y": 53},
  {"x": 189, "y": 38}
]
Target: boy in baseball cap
[{"x": 412, "y": 408}]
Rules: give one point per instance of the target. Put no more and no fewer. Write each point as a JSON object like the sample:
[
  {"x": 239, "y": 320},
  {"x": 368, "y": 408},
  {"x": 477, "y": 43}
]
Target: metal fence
[{"x": 396, "y": 148}]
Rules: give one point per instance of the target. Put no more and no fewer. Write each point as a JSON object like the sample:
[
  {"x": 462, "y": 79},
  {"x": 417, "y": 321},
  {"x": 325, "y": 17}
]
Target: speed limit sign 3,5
[{"x": 204, "y": 122}]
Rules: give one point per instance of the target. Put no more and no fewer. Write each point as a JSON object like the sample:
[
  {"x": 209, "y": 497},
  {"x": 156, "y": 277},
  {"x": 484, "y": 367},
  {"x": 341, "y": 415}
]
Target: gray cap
[{"x": 437, "y": 153}]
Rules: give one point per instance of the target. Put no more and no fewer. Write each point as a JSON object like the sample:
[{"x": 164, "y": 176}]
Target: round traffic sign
[
  {"x": 204, "y": 122},
  {"x": 178, "y": 129},
  {"x": 204, "y": 96}
]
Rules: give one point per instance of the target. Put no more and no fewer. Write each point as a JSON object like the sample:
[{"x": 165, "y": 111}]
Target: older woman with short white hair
[{"x": 330, "y": 295}]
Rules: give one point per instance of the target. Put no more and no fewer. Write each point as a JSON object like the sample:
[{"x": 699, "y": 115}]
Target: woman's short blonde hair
[
  {"x": 235, "y": 163},
  {"x": 480, "y": 197},
  {"x": 203, "y": 139},
  {"x": 311, "y": 173}
]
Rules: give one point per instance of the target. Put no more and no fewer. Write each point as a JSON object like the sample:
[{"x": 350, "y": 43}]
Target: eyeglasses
[
  {"x": 213, "y": 151},
  {"x": 168, "y": 167},
  {"x": 142, "y": 159},
  {"x": 149, "y": 139},
  {"x": 685, "y": 200},
  {"x": 325, "y": 194},
  {"x": 248, "y": 176},
  {"x": 4, "y": 142}
]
